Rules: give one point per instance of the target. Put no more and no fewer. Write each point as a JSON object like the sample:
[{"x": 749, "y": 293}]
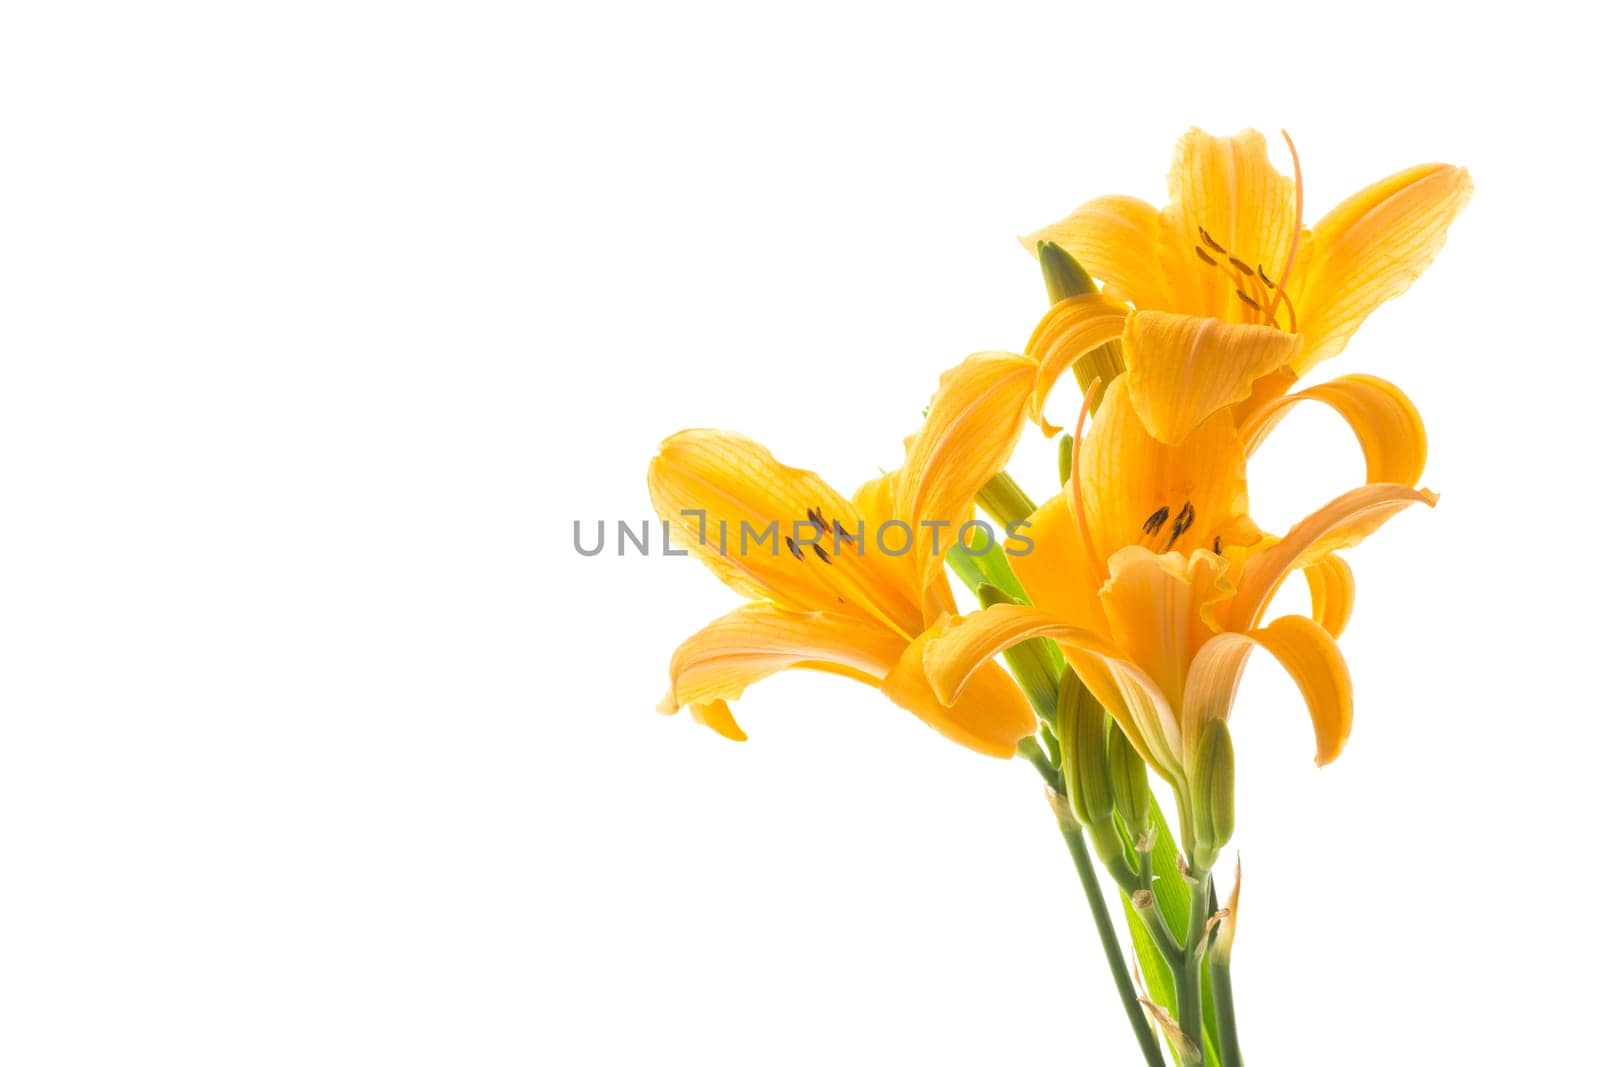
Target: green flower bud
[
  {"x": 1081, "y": 728},
  {"x": 1064, "y": 277},
  {"x": 1211, "y": 793},
  {"x": 1130, "y": 784}
]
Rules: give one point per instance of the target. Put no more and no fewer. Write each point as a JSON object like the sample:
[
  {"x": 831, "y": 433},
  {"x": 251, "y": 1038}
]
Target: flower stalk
[{"x": 1072, "y": 834}]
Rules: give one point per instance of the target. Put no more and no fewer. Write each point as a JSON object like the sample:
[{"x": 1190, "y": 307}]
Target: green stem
[
  {"x": 1108, "y": 941},
  {"x": 1222, "y": 996},
  {"x": 1154, "y": 921},
  {"x": 1191, "y": 1016},
  {"x": 1004, "y": 499}
]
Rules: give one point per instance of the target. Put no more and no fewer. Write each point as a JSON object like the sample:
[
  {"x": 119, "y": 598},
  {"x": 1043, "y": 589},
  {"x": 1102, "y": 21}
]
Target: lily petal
[
  {"x": 959, "y": 648},
  {"x": 1139, "y": 490},
  {"x": 1069, "y": 331},
  {"x": 1312, "y": 658},
  {"x": 1118, "y": 240},
  {"x": 1386, "y": 423},
  {"x": 972, "y": 427},
  {"x": 1228, "y": 187},
  {"x": 1339, "y": 524},
  {"x": 1054, "y": 565},
  {"x": 1371, "y": 248},
  {"x": 1333, "y": 593},
  {"x": 1153, "y": 619},
  {"x": 719, "y": 717},
  {"x": 1182, "y": 369},
  {"x": 716, "y": 664},
  {"x": 990, "y": 716},
  {"x": 1305, "y": 650}
]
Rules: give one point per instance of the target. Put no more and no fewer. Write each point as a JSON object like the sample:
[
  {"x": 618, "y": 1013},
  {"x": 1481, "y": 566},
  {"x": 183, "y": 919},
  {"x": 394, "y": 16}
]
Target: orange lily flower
[{"x": 844, "y": 586}]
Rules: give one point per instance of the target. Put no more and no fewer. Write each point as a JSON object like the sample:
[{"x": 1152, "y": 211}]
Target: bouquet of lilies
[{"x": 1116, "y": 617}]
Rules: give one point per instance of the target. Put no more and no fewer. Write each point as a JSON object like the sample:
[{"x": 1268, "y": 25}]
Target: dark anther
[
  {"x": 1211, "y": 244},
  {"x": 838, "y": 532},
  {"x": 1261, "y": 272},
  {"x": 794, "y": 549},
  {"x": 1202, "y": 254},
  {"x": 1216, "y": 545},
  {"x": 1242, "y": 265},
  {"x": 1240, "y": 293},
  {"x": 1181, "y": 524},
  {"x": 1157, "y": 519},
  {"x": 815, "y": 515},
  {"x": 823, "y": 556}
]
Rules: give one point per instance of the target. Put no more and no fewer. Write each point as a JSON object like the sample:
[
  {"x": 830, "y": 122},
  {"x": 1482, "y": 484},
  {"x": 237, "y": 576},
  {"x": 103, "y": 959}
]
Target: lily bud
[
  {"x": 1212, "y": 793},
  {"x": 1130, "y": 784},
  {"x": 1081, "y": 728},
  {"x": 1064, "y": 277},
  {"x": 1029, "y": 661}
]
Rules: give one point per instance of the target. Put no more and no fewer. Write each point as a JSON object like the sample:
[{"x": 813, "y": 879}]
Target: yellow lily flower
[
  {"x": 1234, "y": 299},
  {"x": 1231, "y": 243},
  {"x": 844, "y": 586},
  {"x": 1151, "y": 577}
]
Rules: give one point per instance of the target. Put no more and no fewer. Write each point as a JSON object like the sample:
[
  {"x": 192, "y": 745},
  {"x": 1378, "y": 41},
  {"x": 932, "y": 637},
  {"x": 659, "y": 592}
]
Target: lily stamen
[
  {"x": 1180, "y": 525},
  {"x": 1241, "y": 274}
]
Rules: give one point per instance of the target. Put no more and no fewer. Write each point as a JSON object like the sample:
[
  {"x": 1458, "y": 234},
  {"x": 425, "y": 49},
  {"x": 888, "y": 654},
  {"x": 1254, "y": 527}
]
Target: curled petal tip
[{"x": 717, "y": 716}]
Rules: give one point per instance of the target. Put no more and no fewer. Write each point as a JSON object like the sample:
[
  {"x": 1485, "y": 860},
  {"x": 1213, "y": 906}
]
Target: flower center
[
  {"x": 1258, "y": 295},
  {"x": 1154, "y": 525},
  {"x": 1182, "y": 523}
]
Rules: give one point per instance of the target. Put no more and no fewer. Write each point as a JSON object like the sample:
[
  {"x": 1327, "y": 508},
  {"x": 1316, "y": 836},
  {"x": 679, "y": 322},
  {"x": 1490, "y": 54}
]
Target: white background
[{"x": 321, "y": 323}]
